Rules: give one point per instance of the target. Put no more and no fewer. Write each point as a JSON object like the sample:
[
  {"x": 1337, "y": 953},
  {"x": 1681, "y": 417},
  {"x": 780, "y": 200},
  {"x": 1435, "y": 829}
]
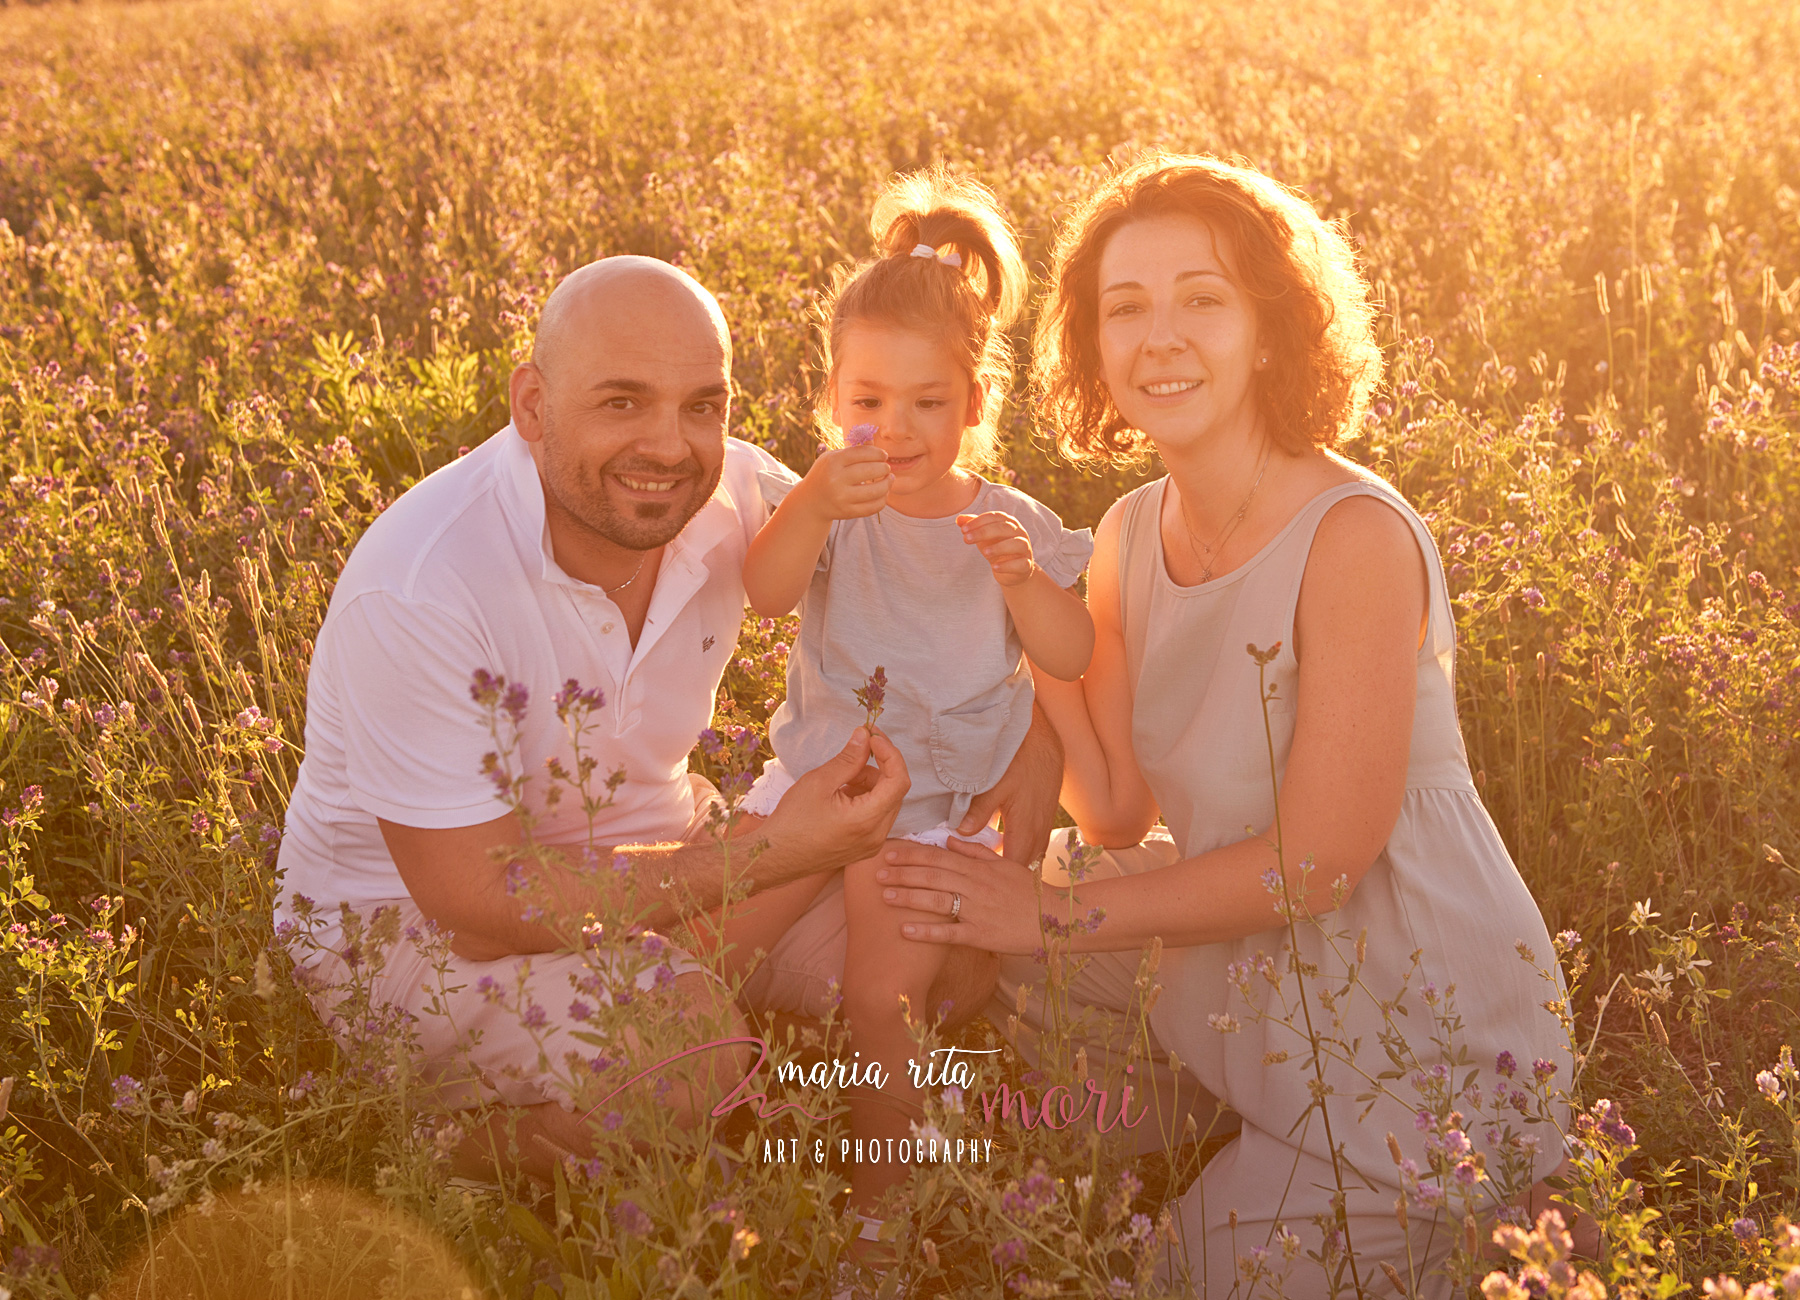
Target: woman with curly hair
[{"x": 1344, "y": 968}]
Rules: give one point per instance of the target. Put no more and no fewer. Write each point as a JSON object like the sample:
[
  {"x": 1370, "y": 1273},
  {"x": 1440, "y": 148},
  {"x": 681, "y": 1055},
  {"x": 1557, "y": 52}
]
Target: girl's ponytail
[
  {"x": 947, "y": 264},
  {"x": 955, "y": 213}
]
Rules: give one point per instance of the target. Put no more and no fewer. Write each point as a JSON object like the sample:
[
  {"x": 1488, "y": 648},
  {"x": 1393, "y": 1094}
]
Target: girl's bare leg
[{"x": 880, "y": 969}]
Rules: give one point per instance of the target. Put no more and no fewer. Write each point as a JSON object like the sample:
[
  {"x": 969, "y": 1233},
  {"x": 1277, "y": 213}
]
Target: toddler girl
[{"x": 902, "y": 557}]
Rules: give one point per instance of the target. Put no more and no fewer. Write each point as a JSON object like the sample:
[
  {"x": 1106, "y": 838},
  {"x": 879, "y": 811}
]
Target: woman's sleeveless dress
[{"x": 1444, "y": 888}]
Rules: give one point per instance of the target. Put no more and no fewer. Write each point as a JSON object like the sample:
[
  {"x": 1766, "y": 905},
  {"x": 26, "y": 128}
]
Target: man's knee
[{"x": 708, "y": 1008}]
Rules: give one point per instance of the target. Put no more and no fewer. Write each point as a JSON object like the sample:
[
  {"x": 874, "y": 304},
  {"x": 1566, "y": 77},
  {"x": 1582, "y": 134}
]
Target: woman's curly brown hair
[{"x": 1313, "y": 308}]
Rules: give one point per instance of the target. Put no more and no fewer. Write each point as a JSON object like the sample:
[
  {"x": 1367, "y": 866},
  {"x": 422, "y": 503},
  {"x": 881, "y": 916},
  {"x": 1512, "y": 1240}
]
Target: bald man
[{"x": 599, "y": 540}]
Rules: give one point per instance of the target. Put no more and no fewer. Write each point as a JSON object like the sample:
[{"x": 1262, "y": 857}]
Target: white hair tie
[{"x": 926, "y": 250}]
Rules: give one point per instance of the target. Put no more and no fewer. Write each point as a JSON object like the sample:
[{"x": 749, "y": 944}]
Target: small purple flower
[
  {"x": 1505, "y": 1064},
  {"x": 1744, "y": 1230},
  {"x": 653, "y": 944},
  {"x": 860, "y": 435},
  {"x": 489, "y": 988},
  {"x": 1533, "y": 598},
  {"x": 621, "y": 863},
  {"x": 612, "y": 1121},
  {"x": 1009, "y": 1253},
  {"x": 665, "y": 975},
  {"x": 630, "y": 1217},
  {"x": 1543, "y": 1071},
  {"x": 1428, "y": 1196},
  {"x": 200, "y": 822},
  {"x": 128, "y": 1094},
  {"x": 514, "y": 702},
  {"x": 872, "y": 694},
  {"x": 534, "y": 1017},
  {"x": 579, "y": 1010}
]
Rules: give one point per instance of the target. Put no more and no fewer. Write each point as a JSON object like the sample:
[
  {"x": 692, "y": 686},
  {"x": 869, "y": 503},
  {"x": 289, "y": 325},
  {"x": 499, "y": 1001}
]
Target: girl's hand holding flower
[
  {"x": 849, "y": 482},
  {"x": 1003, "y": 544}
]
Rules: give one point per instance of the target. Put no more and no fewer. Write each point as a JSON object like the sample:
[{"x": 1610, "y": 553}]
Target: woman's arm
[
  {"x": 842, "y": 484},
  {"x": 1102, "y": 787},
  {"x": 1362, "y": 607},
  {"x": 1052, "y": 623}
]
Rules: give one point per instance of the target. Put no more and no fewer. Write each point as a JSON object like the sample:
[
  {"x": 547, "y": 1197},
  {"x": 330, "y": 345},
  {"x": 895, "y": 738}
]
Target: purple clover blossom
[
  {"x": 1744, "y": 1230},
  {"x": 579, "y": 1010},
  {"x": 630, "y": 1217},
  {"x": 514, "y": 702},
  {"x": 1505, "y": 1064},
  {"x": 612, "y": 1121},
  {"x": 1533, "y": 598},
  {"x": 665, "y": 975},
  {"x": 1543, "y": 1071},
  {"x": 653, "y": 944},
  {"x": 872, "y": 695},
  {"x": 489, "y": 988},
  {"x": 860, "y": 435},
  {"x": 571, "y": 695},
  {"x": 1424, "y": 1121},
  {"x": 1009, "y": 1253},
  {"x": 534, "y": 1017},
  {"x": 128, "y": 1094}
]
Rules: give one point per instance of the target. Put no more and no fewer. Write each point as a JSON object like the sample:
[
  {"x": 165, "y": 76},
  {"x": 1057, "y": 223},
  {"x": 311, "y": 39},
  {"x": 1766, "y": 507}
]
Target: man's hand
[
  {"x": 1025, "y": 795},
  {"x": 1003, "y": 543},
  {"x": 835, "y": 815},
  {"x": 847, "y": 483}
]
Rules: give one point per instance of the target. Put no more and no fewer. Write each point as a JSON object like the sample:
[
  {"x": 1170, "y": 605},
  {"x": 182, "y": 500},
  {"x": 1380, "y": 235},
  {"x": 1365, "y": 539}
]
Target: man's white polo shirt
[{"x": 456, "y": 576}]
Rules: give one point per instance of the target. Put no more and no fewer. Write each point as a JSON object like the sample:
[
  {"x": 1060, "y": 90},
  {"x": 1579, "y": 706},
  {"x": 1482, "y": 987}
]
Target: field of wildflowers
[{"x": 264, "y": 264}]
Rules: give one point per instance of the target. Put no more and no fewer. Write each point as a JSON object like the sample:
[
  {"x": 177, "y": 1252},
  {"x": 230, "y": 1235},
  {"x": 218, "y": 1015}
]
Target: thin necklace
[
  {"x": 1218, "y": 547},
  {"x": 607, "y": 591}
]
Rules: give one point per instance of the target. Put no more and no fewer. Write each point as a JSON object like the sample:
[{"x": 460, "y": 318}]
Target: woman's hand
[{"x": 999, "y": 909}]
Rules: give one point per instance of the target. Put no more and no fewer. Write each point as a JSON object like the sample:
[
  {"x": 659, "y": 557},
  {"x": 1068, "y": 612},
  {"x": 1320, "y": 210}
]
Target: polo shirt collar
[{"x": 522, "y": 497}]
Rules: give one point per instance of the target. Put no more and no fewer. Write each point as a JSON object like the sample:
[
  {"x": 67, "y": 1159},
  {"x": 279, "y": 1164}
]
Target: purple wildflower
[
  {"x": 873, "y": 694},
  {"x": 1009, "y": 1252},
  {"x": 128, "y": 1094},
  {"x": 1505, "y": 1064},
  {"x": 860, "y": 435},
  {"x": 630, "y": 1217}
]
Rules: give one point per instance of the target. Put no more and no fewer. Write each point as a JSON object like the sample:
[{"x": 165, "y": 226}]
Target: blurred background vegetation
[{"x": 263, "y": 265}]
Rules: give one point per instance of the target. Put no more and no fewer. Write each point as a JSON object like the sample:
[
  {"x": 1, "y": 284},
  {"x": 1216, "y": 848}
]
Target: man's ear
[{"x": 526, "y": 390}]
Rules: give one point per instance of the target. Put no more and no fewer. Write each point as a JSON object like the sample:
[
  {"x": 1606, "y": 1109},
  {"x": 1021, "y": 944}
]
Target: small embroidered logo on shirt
[{"x": 706, "y": 645}]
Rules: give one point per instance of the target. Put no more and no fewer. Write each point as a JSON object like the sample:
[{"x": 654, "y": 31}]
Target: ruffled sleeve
[
  {"x": 774, "y": 484},
  {"x": 1066, "y": 555}
]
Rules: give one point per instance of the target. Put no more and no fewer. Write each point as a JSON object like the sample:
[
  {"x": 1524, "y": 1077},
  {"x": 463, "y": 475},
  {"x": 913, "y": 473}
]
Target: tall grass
[{"x": 264, "y": 265}]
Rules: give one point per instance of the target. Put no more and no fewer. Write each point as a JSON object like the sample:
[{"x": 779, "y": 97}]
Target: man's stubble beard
[{"x": 582, "y": 496}]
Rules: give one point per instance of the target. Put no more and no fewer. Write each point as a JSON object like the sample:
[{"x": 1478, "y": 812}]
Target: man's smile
[{"x": 649, "y": 485}]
